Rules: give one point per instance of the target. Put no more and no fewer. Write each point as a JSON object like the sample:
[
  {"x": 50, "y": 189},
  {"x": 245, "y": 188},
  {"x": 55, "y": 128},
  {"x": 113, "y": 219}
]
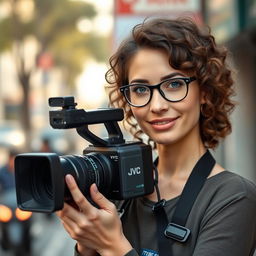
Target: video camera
[{"x": 120, "y": 170}]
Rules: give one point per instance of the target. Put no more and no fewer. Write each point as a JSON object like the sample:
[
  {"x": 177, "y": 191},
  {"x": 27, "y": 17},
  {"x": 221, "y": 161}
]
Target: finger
[
  {"x": 83, "y": 204},
  {"x": 58, "y": 213},
  {"x": 66, "y": 211},
  {"x": 70, "y": 213},
  {"x": 72, "y": 203},
  {"x": 99, "y": 199},
  {"x": 65, "y": 220},
  {"x": 71, "y": 227}
]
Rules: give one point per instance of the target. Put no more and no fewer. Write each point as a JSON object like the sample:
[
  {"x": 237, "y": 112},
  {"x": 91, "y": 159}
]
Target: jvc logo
[{"x": 134, "y": 171}]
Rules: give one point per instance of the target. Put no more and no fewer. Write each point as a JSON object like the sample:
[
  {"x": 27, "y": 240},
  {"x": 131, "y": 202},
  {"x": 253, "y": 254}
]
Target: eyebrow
[
  {"x": 172, "y": 75},
  {"x": 139, "y": 80}
]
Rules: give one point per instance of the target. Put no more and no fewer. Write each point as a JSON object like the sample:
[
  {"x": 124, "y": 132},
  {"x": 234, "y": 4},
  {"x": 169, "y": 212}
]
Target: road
[{"x": 49, "y": 238}]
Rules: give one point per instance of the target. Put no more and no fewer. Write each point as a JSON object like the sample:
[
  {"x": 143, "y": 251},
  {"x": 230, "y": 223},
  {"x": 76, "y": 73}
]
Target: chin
[{"x": 165, "y": 141}]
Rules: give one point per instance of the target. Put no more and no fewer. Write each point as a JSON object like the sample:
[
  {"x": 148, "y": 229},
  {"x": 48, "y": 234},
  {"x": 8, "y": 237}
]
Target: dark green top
[{"x": 222, "y": 220}]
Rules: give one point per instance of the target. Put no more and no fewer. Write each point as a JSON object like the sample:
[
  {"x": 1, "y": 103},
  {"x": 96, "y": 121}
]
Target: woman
[{"x": 174, "y": 84}]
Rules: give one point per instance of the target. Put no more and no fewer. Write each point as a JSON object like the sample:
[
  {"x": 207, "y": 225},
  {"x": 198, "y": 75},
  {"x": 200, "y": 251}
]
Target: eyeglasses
[{"x": 173, "y": 90}]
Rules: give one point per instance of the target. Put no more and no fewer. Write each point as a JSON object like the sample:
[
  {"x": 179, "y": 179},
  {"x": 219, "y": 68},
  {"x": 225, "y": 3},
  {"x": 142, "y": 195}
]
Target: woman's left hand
[{"x": 93, "y": 228}]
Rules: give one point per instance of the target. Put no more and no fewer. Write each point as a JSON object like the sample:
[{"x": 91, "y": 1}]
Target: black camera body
[
  {"x": 129, "y": 172},
  {"x": 121, "y": 170}
]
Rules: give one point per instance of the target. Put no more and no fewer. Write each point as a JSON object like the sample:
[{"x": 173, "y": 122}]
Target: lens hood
[{"x": 39, "y": 182}]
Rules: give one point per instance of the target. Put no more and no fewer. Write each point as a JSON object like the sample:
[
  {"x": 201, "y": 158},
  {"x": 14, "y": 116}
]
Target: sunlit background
[{"x": 52, "y": 48}]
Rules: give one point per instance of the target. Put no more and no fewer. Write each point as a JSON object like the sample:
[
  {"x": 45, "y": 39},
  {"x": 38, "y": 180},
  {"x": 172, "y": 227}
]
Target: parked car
[{"x": 15, "y": 226}]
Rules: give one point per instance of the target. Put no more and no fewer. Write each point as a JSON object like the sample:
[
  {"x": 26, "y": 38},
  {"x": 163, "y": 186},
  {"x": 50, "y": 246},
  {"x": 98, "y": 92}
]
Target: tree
[{"x": 53, "y": 25}]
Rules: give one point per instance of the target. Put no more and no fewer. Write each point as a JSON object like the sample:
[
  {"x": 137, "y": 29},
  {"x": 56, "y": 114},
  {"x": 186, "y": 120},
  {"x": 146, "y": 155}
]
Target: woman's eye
[
  {"x": 175, "y": 84},
  {"x": 139, "y": 89}
]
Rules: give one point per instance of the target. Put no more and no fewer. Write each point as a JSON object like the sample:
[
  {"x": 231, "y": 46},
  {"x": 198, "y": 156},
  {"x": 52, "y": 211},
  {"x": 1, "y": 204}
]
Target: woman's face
[{"x": 163, "y": 121}]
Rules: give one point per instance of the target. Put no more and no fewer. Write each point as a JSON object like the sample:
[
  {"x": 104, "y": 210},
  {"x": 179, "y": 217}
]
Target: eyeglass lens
[{"x": 172, "y": 90}]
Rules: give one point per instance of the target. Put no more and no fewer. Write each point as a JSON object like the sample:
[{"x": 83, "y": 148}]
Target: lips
[{"x": 163, "y": 124}]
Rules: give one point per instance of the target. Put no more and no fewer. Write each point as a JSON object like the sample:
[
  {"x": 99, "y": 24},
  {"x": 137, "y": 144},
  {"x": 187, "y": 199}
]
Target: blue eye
[
  {"x": 173, "y": 84},
  {"x": 139, "y": 89}
]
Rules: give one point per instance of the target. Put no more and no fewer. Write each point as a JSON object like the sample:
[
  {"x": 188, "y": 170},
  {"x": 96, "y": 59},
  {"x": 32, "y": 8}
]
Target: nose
[{"x": 158, "y": 103}]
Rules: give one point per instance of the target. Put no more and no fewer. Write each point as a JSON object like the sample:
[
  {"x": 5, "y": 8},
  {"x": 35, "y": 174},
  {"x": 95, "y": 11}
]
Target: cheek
[
  {"x": 192, "y": 108},
  {"x": 194, "y": 100},
  {"x": 139, "y": 114}
]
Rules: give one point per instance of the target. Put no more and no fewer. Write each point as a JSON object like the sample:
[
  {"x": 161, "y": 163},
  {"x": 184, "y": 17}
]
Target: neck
[{"x": 178, "y": 159}]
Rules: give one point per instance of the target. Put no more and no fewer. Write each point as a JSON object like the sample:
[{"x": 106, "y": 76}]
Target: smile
[{"x": 163, "y": 124}]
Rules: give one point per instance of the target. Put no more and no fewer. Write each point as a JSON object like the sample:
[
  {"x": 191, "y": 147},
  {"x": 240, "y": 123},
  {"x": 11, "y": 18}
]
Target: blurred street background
[{"x": 54, "y": 48}]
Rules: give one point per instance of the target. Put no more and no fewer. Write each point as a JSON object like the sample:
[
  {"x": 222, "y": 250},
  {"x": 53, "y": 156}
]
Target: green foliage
[
  {"x": 71, "y": 52},
  {"x": 54, "y": 26},
  {"x": 5, "y": 38}
]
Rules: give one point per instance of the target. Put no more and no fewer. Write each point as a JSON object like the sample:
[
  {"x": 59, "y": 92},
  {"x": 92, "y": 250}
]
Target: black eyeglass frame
[{"x": 187, "y": 81}]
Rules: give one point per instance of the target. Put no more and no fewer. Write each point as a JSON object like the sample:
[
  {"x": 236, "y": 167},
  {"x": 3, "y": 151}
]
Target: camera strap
[{"x": 176, "y": 230}]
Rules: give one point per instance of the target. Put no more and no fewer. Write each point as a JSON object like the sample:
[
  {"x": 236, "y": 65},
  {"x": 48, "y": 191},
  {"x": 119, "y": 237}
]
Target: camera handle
[{"x": 115, "y": 135}]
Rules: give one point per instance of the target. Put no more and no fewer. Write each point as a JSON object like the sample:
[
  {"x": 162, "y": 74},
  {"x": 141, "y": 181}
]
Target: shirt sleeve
[
  {"x": 130, "y": 253},
  {"x": 229, "y": 230},
  {"x": 76, "y": 253}
]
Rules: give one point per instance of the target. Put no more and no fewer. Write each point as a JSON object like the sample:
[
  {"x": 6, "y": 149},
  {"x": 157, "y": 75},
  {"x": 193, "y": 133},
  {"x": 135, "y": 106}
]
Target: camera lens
[
  {"x": 88, "y": 169},
  {"x": 40, "y": 182}
]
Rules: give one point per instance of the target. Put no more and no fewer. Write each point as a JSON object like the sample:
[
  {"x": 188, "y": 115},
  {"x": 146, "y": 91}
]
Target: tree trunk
[{"x": 25, "y": 111}]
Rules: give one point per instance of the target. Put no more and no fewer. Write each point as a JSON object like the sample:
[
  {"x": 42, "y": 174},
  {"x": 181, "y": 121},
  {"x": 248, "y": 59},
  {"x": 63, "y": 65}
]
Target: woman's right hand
[{"x": 95, "y": 229}]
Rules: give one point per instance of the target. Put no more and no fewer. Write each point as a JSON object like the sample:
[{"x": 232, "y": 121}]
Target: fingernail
[
  {"x": 69, "y": 179},
  {"x": 95, "y": 189}
]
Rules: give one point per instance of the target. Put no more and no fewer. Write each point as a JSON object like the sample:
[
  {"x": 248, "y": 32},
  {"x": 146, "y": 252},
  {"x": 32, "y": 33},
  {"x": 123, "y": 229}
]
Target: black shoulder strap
[
  {"x": 176, "y": 230},
  {"x": 192, "y": 188}
]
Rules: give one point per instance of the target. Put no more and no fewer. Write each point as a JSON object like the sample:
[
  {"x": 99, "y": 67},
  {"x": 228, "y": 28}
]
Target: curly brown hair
[{"x": 190, "y": 48}]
